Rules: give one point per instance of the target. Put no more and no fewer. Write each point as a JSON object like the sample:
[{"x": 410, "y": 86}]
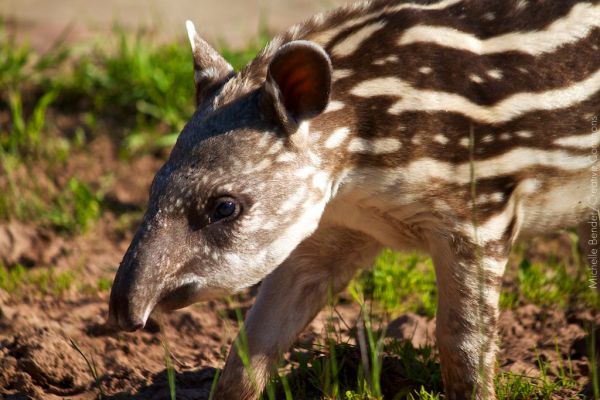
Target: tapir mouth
[
  {"x": 124, "y": 315},
  {"x": 181, "y": 297},
  {"x": 129, "y": 317}
]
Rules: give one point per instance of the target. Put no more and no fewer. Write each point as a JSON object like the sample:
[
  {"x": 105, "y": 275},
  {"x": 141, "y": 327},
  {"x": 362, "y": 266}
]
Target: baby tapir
[{"x": 451, "y": 127}]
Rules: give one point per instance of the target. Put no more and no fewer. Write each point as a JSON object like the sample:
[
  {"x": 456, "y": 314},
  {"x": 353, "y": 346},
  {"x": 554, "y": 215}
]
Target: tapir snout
[{"x": 127, "y": 307}]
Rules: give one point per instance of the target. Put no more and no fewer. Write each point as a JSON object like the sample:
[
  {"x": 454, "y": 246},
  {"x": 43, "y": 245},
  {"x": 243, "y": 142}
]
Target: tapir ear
[
  {"x": 210, "y": 69},
  {"x": 298, "y": 83}
]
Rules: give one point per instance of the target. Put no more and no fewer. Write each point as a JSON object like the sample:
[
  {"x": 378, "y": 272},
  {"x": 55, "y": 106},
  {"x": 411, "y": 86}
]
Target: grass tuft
[
  {"x": 92, "y": 369},
  {"x": 44, "y": 281},
  {"x": 548, "y": 284},
  {"x": 400, "y": 283}
]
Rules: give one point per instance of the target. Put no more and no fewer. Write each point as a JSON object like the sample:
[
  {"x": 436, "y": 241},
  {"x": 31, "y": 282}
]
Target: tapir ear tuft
[
  {"x": 298, "y": 82},
  {"x": 210, "y": 69}
]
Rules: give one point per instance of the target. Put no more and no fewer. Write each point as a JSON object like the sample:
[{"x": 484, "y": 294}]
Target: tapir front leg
[
  {"x": 289, "y": 299},
  {"x": 469, "y": 282}
]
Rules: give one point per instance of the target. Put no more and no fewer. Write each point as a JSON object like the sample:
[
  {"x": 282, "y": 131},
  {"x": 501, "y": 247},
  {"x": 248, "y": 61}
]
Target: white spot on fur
[
  {"x": 487, "y": 139},
  {"x": 293, "y": 201},
  {"x": 314, "y": 158},
  {"x": 497, "y": 197},
  {"x": 530, "y": 185},
  {"x": 425, "y": 70},
  {"x": 337, "y": 138},
  {"x": 441, "y": 139},
  {"x": 315, "y": 136},
  {"x": 321, "y": 180},
  {"x": 263, "y": 142},
  {"x": 475, "y": 78},
  {"x": 334, "y": 106},
  {"x": 521, "y": 4},
  {"x": 261, "y": 166},
  {"x": 464, "y": 141},
  {"x": 341, "y": 73},
  {"x": 305, "y": 172},
  {"x": 350, "y": 44},
  {"x": 374, "y": 146},
  {"x": 489, "y": 16},
  {"x": 524, "y": 134},
  {"x": 275, "y": 148},
  {"x": 505, "y": 136},
  {"x": 386, "y": 60},
  {"x": 234, "y": 261},
  {"x": 253, "y": 224},
  {"x": 286, "y": 157},
  {"x": 495, "y": 74}
]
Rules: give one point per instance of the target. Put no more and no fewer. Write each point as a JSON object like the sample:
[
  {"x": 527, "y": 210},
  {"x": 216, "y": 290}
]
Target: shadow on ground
[{"x": 189, "y": 385}]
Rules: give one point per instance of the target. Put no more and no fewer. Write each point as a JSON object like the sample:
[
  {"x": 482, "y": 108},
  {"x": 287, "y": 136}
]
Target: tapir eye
[{"x": 224, "y": 208}]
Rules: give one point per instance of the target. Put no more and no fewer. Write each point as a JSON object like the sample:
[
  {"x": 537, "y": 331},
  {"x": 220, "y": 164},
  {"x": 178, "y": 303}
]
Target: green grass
[
  {"x": 20, "y": 280},
  {"x": 104, "y": 284},
  {"x": 130, "y": 88},
  {"x": 334, "y": 370},
  {"x": 400, "y": 282},
  {"x": 76, "y": 208},
  {"x": 549, "y": 284},
  {"x": 91, "y": 364},
  {"x": 71, "y": 209},
  {"x": 510, "y": 385}
]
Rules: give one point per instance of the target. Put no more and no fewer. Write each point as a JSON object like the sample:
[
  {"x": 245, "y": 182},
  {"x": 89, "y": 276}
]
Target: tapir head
[{"x": 241, "y": 188}]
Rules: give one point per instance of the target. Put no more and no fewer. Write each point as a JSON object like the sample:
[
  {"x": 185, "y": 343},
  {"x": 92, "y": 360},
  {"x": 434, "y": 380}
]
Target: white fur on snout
[{"x": 147, "y": 312}]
